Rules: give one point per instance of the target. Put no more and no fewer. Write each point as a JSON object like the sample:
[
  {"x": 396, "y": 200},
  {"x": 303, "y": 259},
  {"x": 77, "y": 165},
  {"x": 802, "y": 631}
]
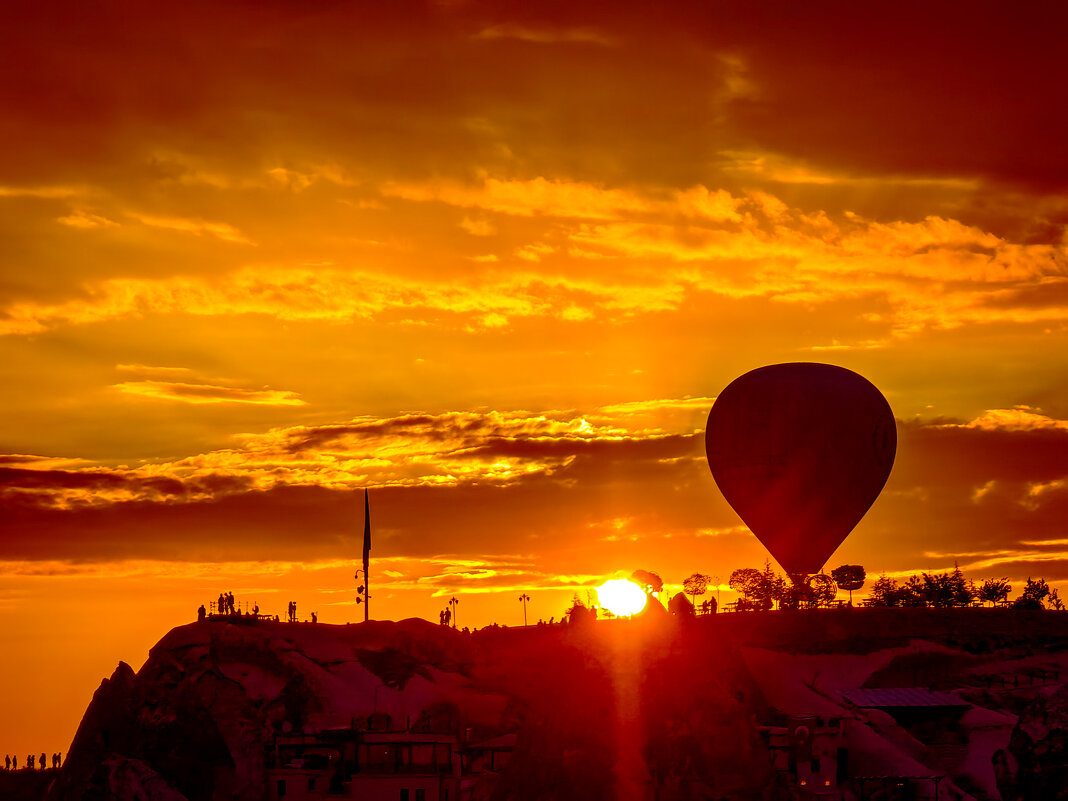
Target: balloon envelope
[{"x": 801, "y": 451}]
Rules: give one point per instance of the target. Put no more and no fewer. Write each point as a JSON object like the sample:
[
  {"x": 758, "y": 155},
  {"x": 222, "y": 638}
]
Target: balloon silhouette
[{"x": 801, "y": 451}]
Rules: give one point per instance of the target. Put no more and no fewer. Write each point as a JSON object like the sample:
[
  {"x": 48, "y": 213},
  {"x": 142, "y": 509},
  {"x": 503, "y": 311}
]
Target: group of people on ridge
[
  {"x": 225, "y": 605},
  {"x": 12, "y": 762}
]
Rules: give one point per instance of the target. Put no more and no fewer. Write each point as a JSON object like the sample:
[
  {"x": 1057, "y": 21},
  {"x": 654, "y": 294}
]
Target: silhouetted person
[
  {"x": 29, "y": 762},
  {"x": 7, "y": 761},
  {"x": 441, "y": 618},
  {"x": 201, "y": 613},
  {"x": 55, "y": 760},
  {"x": 14, "y": 763},
  {"x": 220, "y": 607},
  {"x": 315, "y": 618},
  {"x": 448, "y": 616},
  {"x": 43, "y": 764},
  {"x": 712, "y": 606}
]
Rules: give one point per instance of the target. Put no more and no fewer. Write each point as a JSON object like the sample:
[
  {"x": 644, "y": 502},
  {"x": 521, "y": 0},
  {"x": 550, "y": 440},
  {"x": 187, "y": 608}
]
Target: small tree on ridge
[
  {"x": 849, "y": 578},
  {"x": 695, "y": 585}
]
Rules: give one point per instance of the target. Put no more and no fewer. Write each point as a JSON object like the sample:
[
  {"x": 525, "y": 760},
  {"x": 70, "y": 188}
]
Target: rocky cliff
[{"x": 611, "y": 710}]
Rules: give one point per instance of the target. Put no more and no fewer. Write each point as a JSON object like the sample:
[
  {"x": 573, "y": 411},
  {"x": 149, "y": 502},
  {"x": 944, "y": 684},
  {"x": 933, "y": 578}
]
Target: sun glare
[{"x": 621, "y": 597}]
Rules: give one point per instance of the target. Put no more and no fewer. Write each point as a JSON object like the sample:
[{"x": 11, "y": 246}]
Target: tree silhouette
[
  {"x": 695, "y": 585},
  {"x": 994, "y": 591},
  {"x": 962, "y": 589},
  {"x": 578, "y": 613},
  {"x": 746, "y": 582},
  {"x": 1034, "y": 592},
  {"x": 648, "y": 581},
  {"x": 759, "y": 589},
  {"x": 849, "y": 578},
  {"x": 885, "y": 592}
]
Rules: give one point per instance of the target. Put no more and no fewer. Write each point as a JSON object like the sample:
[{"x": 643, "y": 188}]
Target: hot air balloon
[{"x": 801, "y": 451}]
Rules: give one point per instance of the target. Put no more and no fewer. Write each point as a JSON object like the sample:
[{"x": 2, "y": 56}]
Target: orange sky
[{"x": 495, "y": 262}]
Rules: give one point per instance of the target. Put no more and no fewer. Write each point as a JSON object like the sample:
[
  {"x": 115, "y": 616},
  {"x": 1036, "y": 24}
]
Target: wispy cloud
[
  {"x": 223, "y": 231},
  {"x": 206, "y": 393},
  {"x": 47, "y": 192},
  {"x": 86, "y": 220},
  {"x": 547, "y": 36}
]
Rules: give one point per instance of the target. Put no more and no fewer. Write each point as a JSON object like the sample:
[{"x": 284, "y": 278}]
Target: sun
[{"x": 621, "y": 597}]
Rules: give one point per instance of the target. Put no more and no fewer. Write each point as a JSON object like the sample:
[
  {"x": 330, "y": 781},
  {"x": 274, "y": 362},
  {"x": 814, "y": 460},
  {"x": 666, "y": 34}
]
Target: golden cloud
[
  {"x": 1020, "y": 418},
  {"x": 447, "y": 449},
  {"x": 615, "y": 252},
  {"x": 542, "y": 196}
]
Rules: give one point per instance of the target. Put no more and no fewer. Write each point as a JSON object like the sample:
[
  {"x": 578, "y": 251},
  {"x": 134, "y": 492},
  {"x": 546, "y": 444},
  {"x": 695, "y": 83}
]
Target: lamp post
[
  {"x": 453, "y": 602},
  {"x": 524, "y": 598},
  {"x": 363, "y": 592}
]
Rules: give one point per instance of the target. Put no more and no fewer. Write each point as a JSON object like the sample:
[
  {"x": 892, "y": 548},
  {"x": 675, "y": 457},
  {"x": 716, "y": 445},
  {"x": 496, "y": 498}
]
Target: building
[
  {"x": 424, "y": 762},
  {"x": 809, "y": 753}
]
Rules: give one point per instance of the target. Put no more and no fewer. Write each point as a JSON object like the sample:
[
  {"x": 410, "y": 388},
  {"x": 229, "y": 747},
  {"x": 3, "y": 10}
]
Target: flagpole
[{"x": 366, "y": 556}]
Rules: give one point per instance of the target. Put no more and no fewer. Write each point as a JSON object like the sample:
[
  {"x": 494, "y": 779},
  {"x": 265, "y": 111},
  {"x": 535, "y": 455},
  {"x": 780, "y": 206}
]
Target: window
[
  {"x": 404, "y": 795},
  {"x": 378, "y": 758},
  {"x": 281, "y": 788},
  {"x": 420, "y": 795},
  {"x": 443, "y": 757},
  {"x": 423, "y": 757}
]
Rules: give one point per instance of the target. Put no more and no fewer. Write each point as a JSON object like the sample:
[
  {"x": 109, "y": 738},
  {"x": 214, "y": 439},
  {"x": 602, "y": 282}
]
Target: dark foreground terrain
[{"x": 654, "y": 708}]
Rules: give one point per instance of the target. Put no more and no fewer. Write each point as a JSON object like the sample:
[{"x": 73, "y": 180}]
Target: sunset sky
[{"x": 494, "y": 262}]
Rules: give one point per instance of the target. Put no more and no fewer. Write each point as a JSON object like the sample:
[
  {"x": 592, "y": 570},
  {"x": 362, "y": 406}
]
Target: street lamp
[
  {"x": 453, "y": 601},
  {"x": 524, "y": 598},
  {"x": 362, "y": 596}
]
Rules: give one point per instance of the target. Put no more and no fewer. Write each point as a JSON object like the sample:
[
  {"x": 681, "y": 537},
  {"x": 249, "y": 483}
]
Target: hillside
[{"x": 637, "y": 709}]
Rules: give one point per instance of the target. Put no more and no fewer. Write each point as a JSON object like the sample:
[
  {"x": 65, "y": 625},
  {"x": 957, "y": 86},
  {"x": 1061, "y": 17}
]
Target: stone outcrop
[{"x": 1034, "y": 767}]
